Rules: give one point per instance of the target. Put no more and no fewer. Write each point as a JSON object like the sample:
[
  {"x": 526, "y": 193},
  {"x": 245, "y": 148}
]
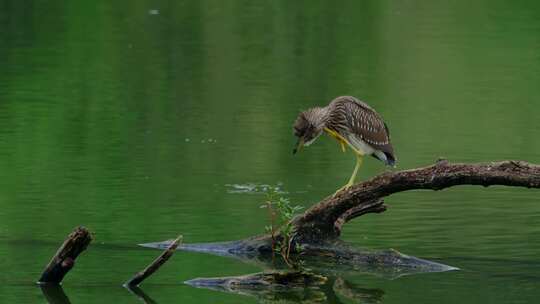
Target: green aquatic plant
[{"x": 281, "y": 212}]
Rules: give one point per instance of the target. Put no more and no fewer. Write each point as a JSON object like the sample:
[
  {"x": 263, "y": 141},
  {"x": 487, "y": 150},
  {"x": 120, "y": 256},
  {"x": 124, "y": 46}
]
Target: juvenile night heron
[{"x": 352, "y": 123}]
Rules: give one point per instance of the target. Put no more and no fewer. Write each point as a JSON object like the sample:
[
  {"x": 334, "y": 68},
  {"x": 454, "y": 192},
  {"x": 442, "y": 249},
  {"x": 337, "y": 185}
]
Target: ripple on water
[{"x": 254, "y": 188}]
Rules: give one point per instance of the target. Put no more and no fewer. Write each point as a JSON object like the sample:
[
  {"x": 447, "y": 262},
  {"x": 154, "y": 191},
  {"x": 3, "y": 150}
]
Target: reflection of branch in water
[
  {"x": 54, "y": 294},
  {"x": 140, "y": 294},
  {"x": 270, "y": 287},
  {"x": 359, "y": 295},
  {"x": 289, "y": 287}
]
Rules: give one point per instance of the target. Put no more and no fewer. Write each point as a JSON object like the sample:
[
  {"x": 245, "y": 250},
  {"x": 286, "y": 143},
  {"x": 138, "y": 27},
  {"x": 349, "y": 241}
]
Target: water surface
[{"x": 146, "y": 119}]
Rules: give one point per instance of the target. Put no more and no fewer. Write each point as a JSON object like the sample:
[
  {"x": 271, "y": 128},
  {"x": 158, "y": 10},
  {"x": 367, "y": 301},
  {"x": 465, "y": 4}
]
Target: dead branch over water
[{"x": 325, "y": 219}]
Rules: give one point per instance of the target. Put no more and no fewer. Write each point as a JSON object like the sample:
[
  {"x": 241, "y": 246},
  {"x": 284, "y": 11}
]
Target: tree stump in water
[{"x": 64, "y": 259}]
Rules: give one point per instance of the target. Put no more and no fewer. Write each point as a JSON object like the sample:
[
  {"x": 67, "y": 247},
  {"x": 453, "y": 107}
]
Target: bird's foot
[{"x": 347, "y": 186}]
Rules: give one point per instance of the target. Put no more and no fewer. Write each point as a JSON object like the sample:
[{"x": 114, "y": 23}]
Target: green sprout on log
[{"x": 280, "y": 212}]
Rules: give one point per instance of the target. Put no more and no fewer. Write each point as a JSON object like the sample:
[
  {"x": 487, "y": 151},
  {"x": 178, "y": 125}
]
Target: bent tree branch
[
  {"x": 317, "y": 230},
  {"x": 324, "y": 220}
]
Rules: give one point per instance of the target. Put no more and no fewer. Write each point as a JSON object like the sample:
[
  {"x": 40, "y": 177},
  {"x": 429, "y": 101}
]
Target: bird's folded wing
[{"x": 368, "y": 125}]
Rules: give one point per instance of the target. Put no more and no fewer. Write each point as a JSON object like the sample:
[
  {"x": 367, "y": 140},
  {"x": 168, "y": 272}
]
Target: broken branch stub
[
  {"x": 155, "y": 265},
  {"x": 64, "y": 259}
]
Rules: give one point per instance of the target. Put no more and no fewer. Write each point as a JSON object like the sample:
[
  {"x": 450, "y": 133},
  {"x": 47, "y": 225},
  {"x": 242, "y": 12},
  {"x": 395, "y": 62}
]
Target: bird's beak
[{"x": 299, "y": 145}]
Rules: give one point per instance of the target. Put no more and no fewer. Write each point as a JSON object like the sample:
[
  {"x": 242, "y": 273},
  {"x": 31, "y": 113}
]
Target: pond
[{"x": 142, "y": 120}]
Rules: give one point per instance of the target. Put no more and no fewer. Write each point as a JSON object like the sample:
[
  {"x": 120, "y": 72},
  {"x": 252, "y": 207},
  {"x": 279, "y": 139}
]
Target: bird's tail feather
[{"x": 388, "y": 158}]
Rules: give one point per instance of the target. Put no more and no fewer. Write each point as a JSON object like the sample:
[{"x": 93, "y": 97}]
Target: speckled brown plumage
[
  {"x": 353, "y": 120},
  {"x": 351, "y": 117}
]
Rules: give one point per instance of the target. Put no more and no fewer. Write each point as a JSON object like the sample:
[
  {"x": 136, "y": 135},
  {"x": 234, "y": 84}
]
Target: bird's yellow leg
[
  {"x": 342, "y": 146},
  {"x": 359, "y": 160},
  {"x": 342, "y": 141}
]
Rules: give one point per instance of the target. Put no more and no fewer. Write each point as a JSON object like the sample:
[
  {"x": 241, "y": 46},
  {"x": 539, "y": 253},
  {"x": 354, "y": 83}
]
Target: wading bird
[{"x": 352, "y": 123}]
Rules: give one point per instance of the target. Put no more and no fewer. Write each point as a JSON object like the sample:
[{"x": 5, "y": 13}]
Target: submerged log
[
  {"x": 331, "y": 258},
  {"x": 155, "y": 265},
  {"x": 64, "y": 259},
  {"x": 317, "y": 230}
]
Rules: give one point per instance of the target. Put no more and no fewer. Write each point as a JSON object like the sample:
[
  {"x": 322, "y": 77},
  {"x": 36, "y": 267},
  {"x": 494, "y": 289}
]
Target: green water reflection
[{"x": 139, "y": 118}]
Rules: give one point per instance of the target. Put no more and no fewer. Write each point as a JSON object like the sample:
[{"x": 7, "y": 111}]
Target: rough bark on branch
[
  {"x": 324, "y": 220},
  {"x": 374, "y": 206}
]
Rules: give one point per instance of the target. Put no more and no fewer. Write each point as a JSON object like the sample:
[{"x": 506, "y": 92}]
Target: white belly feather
[
  {"x": 360, "y": 145},
  {"x": 365, "y": 148}
]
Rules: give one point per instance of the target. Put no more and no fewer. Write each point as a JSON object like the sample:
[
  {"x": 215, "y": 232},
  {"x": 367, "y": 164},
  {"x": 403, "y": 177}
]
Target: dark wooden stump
[{"x": 64, "y": 259}]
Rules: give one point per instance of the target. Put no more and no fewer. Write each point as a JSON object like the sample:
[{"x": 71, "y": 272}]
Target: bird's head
[{"x": 308, "y": 126}]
